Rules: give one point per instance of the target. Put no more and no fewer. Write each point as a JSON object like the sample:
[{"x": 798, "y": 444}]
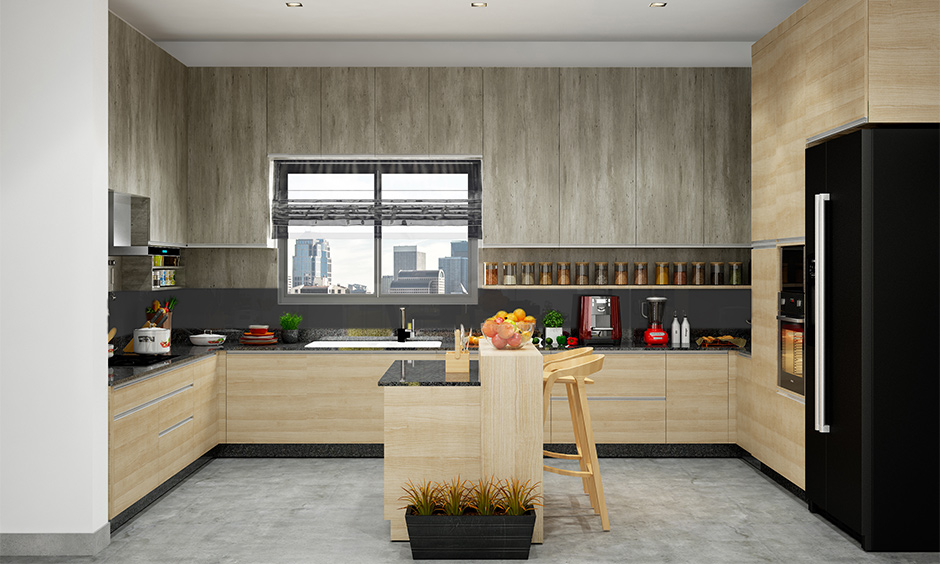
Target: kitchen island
[{"x": 484, "y": 423}]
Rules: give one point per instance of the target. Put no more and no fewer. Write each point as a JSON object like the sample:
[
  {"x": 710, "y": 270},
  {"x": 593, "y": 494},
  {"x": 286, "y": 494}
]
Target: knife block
[
  {"x": 454, "y": 365},
  {"x": 166, "y": 324}
]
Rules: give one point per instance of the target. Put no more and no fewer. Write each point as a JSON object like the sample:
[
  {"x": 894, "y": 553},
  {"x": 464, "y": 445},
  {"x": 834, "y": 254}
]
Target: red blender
[{"x": 654, "y": 334}]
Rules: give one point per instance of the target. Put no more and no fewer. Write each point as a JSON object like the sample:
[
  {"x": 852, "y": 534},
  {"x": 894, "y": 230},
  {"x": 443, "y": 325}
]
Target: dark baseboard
[
  {"x": 774, "y": 475},
  {"x": 657, "y": 450},
  {"x": 347, "y": 450}
]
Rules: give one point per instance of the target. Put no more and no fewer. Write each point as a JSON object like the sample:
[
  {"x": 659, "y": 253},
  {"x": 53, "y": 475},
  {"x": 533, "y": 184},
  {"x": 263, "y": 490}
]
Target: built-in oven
[{"x": 790, "y": 316}]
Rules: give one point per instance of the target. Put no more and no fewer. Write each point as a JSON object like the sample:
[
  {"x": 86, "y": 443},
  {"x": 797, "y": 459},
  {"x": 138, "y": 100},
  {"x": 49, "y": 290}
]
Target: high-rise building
[
  {"x": 407, "y": 257},
  {"x": 312, "y": 265},
  {"x": 455, "y": 274},
  {"x": 459, "y": 249},
  {"x": 387, "y": 283},
  {"x": 418, "y": 282}
]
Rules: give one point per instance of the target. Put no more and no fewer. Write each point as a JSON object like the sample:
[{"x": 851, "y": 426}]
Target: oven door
[{"x": 790, "y": 359}]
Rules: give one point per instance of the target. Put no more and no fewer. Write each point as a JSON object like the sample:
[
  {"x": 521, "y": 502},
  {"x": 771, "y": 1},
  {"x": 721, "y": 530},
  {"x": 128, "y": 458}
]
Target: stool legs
[
  {"x": 580, "y": 440},
  {"x": 595, "y": 478}
]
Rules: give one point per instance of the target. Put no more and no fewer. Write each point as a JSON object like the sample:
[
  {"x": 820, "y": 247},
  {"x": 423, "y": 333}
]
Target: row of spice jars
[{"x": 543, "y": 276}]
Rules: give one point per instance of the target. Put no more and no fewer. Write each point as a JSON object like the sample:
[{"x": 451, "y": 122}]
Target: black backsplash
[{"x": 239, "y": 308}]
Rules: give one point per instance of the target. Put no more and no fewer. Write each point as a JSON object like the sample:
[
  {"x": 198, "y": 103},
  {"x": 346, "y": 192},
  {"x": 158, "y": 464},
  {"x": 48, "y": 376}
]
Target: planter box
[{"x": 470, "y": 537}]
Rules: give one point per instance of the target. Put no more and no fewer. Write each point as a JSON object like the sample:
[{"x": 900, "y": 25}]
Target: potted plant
[
  {"x": 458, "y": 520},
  {"x": 553, "y": 320},
  {"x": 289, "y": 324}
]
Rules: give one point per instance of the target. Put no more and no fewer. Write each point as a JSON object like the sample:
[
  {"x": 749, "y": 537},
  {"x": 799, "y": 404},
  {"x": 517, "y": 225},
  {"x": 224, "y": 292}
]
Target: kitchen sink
[{"x": 373, "y": 344}]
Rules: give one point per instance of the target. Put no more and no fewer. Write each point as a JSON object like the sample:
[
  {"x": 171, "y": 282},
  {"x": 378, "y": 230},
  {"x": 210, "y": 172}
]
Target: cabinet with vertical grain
[
  {"x": 455, "y": 111},
  {"x": 520, "y": 156},
  {"x": 598, "y": 157},
  {"x": 228, "y": 165},
  {"x": 293, "y": 106},
  {"x": 401, "y": 111},
  {"x": 347, "y": 111}
]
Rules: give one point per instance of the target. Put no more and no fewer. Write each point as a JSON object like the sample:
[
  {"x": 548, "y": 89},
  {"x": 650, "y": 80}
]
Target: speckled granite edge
[{"x": 338, "y": 450}]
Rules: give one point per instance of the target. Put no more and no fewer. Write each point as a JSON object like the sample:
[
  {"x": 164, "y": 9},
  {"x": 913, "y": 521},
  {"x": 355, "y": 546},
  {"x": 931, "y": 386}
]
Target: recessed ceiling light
[
  {"x": 478, "y": 4},
  {"x": 657, "y": 5},
  {"x": 294, "y": 5}
]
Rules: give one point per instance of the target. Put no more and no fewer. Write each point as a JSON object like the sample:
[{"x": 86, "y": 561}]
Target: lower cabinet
[
  {"x": 697, "y": 398},
  {"x": 152, "y": 431}
]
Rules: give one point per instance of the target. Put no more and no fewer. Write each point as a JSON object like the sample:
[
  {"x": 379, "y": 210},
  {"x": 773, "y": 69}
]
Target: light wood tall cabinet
[
  {"x": 597, "y": 195},
  {"x": 347, "y": 111},
  {"x": 520, "y": 156},
  {"x": 228, "y": 164}
]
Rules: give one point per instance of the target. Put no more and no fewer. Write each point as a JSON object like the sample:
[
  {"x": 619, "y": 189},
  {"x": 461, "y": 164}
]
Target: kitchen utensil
[
  {"x": 111, "y": 333},
  {"x": 129, "y": 347},
  {"x": 206, "y": 339},
  {"x": 654, "y": 334},
  {"x": 258, "y": 329},
  {"x": 151, "y": 340}
]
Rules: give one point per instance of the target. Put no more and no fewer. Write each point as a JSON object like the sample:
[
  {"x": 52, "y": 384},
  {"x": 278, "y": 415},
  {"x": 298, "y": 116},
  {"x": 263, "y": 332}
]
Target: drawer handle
[
  {"x": 175, "y": 427},
  {"x": 134, "y": 410}
]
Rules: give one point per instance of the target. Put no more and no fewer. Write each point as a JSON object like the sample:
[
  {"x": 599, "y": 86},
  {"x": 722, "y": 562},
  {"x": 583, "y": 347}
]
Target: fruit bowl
[{"x": 508, "y": 334}]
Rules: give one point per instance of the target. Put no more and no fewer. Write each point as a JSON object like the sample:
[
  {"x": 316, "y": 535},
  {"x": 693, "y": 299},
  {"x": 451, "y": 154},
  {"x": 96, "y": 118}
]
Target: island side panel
[
  {"x": 431, "y": 433},
  {"x": 511, "y": 416}
]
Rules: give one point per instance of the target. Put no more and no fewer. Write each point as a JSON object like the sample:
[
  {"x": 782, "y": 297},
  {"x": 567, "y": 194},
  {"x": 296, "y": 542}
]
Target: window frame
[{"x": 281, "y": 166}]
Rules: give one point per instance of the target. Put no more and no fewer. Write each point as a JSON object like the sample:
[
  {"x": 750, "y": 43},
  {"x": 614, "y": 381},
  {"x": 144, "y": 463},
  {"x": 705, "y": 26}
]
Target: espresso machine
[
  {"x": 600, "y": 321},
  {"x": 652, "y": 309}
]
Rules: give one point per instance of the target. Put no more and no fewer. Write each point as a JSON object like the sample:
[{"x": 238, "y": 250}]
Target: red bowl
[{"x": 258, "y": 329}]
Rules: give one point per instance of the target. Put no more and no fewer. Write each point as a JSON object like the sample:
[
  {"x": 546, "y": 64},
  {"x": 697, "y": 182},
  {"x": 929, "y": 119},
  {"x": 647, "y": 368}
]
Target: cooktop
[{"x": 139, "y": 359}]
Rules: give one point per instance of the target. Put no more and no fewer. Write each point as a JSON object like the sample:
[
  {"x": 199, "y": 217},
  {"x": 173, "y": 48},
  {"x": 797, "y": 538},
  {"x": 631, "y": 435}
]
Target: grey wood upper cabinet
[
  {"x": 456, "y": 111},
  {"x": 228, "y": 165},
  {"x": 520, "y": 156},
  {"x": 598, "y": 156},
  {"x": 347, "y": 111},
  {"x": 146, "y": 136},
  {"x": 727, "y": 95},
  {"x": 670, "y": 156},
  {"x": 293, "y": 101},
  {"x": 401, "y": 111}
]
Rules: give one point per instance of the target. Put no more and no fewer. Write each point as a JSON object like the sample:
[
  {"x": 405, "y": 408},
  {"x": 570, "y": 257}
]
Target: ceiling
[{"x": 191, "y": 22}]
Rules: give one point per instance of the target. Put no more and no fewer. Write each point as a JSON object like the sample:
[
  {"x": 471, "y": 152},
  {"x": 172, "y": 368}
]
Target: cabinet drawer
[
  {"x": 133, "y": 465},
  {"x": 626, "y": 376},
  {"x": 175, "y": 448},
  {"x": 143, "y": 391},
  {"x": 614, "y": 421},
  {"x": 174, "y": 408}
]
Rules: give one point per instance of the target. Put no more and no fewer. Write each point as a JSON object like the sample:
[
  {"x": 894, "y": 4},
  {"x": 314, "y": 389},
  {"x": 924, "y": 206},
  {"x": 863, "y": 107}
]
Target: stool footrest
[
  {"x": 563, "y": 472},
  {"x": 551, "y": 454}
]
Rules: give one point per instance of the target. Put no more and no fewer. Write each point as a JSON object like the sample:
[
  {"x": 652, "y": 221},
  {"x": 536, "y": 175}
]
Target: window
[{"x": 377, "y": 231}]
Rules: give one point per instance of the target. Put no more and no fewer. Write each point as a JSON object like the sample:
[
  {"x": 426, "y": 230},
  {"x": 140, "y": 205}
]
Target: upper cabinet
[
  {"x": 598, "y": 156},
  {"x": 520, "y": 156},
  {"x": 829, "y": 64},
  {"x": 146, "y": 131},
  {"x": 401, "y": 111},
  {"x": 293, "y": 102},
  {"x": 455, "y": 111},
  {"x": 347, "y": 111},
  {"x": 228, "y": 163}
]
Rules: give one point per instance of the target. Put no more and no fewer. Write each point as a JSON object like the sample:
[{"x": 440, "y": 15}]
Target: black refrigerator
[{"x": 871, "y": 348}]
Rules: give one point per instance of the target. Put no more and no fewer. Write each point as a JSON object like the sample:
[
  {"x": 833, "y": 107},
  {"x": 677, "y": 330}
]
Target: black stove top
[{"x": 139, "y": 359}]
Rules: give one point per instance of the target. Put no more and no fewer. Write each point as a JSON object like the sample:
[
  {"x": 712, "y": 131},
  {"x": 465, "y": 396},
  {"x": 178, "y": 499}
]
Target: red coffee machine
[
  {"x": 654, "y": 334},
  {"x": 600, "y": 320}
]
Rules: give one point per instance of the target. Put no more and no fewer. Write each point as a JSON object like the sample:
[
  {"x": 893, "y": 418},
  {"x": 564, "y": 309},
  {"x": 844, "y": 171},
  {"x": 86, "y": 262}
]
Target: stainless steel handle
[
  {"x": 602, "y": 328},
  {"x": 819, "y": 311},
  {"x": 790, "y": 319},
  {"x": 643, "y": 309}
]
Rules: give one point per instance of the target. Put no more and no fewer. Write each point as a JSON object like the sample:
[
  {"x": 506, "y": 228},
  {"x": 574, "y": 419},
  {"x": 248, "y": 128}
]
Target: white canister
[{"x": 151, "y": 340}]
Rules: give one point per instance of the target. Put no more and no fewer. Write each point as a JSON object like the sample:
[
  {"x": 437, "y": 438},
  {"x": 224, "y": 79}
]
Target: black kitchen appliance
[
  {"x": 873, "y": 391},
  {"x": 790, "y": 317}
]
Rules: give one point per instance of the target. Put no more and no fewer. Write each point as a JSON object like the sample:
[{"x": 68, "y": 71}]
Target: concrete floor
[{"x": 330, "y": 510}]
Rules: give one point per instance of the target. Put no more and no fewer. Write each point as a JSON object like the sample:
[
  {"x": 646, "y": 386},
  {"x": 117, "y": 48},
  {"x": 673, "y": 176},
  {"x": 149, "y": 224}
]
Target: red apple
[
  {"x": 499, "y": 342},
  {"x": 515, "y": 340}
]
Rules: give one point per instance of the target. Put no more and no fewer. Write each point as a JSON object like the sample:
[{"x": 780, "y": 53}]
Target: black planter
[{"x": 470, "y": 537}]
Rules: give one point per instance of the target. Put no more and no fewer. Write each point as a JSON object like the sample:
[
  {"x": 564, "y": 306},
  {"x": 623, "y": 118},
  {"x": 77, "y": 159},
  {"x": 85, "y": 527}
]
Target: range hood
[{"x": 128, "y": 224}]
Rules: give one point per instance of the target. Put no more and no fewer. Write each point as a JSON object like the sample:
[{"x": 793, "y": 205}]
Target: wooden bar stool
[{"x": 573, "y": 373}]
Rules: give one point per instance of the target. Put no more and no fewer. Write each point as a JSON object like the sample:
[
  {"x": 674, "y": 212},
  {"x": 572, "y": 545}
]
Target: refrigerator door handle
[{"x": 819, "y": 314}]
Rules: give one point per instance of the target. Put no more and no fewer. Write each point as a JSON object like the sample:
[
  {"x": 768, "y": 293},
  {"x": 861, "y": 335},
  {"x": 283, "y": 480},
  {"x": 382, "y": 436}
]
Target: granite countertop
[{"x": 428, "y": 373}]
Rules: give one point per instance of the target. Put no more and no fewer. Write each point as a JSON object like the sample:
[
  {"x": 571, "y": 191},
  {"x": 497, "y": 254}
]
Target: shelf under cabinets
[{"x": 614, "y": 287}]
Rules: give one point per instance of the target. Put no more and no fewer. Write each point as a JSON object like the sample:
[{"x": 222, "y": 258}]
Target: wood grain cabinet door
[
  {"x": 696, "y": 398},
  {"x": 134, "y": 467},
  {"x": 268, "y": 398},
  {"x": 207, "y": 401}
]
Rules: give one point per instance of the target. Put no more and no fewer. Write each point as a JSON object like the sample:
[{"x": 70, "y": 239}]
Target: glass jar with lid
[
  {"x": 662, "y": 273},
  {"x": 601, "y": 277},
  {"x": 582, "y": 273},
  {"x": 717, "y": 273},
  {"x": 564, "y": 273},
  {"x": 698, "y": 273},
  {"x": 528, "y": 273},
  {"x": 545, "y": 274},
  {"x": 736, "y": 274},
  {"x": 621, "y": 273},
  {"x": 509, "y": 274},
  {"x": 490, "y": 273},
  {"x": 680, "y": 276},
  {"x": 640, "y": 275}
]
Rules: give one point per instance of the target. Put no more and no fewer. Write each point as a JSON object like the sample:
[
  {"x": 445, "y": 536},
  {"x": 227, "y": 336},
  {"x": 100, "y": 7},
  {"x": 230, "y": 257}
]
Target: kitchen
[{"x": 228, "y": 262}]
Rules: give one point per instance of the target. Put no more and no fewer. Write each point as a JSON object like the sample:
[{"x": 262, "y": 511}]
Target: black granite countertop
[
  {"x": 182, "y": 355},
  {"x": 428, "y": 373}
]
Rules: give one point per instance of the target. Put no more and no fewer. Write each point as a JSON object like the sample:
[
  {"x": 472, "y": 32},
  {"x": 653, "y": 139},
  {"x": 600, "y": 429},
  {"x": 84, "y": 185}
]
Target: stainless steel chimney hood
[{"x": 128, "y": 224}]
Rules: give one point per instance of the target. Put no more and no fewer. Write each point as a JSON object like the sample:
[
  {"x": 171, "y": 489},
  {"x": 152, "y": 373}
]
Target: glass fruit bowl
[{"x": 508, "y": 334}]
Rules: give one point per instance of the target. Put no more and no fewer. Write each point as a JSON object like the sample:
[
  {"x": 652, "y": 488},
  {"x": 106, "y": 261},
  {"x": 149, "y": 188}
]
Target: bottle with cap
[
  {"x": 686, "y": 331},
  {"x": 676, "y": 332}
]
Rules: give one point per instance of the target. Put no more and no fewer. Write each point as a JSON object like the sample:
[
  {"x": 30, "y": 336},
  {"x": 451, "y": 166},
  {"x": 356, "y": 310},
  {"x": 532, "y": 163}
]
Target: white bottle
[
  {"x": 686, "y": 332},
  {"x": 675, "y": 329}
]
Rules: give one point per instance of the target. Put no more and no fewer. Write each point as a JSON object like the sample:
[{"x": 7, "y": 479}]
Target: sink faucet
[{"x": 402, "y": 332}]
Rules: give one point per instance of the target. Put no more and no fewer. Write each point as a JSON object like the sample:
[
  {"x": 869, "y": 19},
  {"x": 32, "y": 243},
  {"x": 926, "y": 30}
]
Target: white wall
[{"x": 53, "y": 271}]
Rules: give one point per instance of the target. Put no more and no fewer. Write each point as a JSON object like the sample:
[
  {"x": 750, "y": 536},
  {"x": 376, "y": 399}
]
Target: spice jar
[
  {"x": 737, "y": 273},
  {"x": 717, "y": 271},
  {"x": 490, "y": 273},
  {"x": 698, "y": 273},
  {"x": 545, "y": 273},
  {"x": 621, "y": 273},
  {"x": 639, "y": 274},
  {"x": 600, "y": 274},
  {"x": 680, "y": 276},
  {"x": 564, "y": 273},
  {"x": 528, "y": 273},
  {"x": 662, "y": 273},
  {"x": 582, "y": 276},
  {"x": 509, "y": 273}
]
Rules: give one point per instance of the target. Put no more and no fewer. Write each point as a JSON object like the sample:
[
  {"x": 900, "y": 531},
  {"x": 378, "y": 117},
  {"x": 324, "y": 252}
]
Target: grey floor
[{"x": 330, "y": 510}]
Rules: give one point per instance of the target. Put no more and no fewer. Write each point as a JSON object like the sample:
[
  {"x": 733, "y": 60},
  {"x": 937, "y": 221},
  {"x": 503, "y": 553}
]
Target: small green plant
[
  {"x": 561, "y": 340},
  {"x": 290, "y": 322},
  {"x": 518, "y": 497},
  {"x": 484, "y": 496},
  {"x": 424, "y": 497},
  {"x": 454, "y": 495},
  {"x": 553, "y": 319}
]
